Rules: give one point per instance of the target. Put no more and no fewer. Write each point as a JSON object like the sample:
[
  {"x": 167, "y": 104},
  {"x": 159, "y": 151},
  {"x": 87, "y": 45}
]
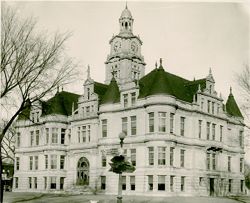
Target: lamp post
[{"x": 122, "y": 135}]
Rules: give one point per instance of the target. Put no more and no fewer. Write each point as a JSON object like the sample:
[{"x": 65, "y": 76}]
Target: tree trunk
[{"x": 1, "y": 181}]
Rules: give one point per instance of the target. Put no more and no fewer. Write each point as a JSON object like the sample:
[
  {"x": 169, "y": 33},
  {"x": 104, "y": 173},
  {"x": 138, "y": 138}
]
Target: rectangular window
[
  {"x": 61, "y": 182},
  {"x": 230, "y": 185},
  {"x": 241, "y": 139},
  {"x": 133, "y": 156},
  {"x": 104, "y": 161},
  {"x": 208, "y": 130},
  {"x": 214, "y": 161},
  {"x": 221, "y": 132},
  {"x": 18, "y": 139},
  {"x": 171, "y": 156},
  {"x": 104, "y": 128},
  {"x": 62, "y": 160},
  {"x": 200, "y": 128},
  {"x": 37, "y": 137},
  {"x": 241, "y": 164},
  {"x": 63, "y": 131},
  {"x": 54, "y": 138},
  {"x": 150, "y": 182},
  {"x": 36, "y": 162},
  {"x": 35, "y": 182},
  {"x": 17, "y": 163},
  {"x": 182, "y": 183},
  {"x": 53, "y": 161},
  {"x": 208, "y": 161},
  {"x": 213, "y": 131},
  {"x": 213, "y": 107},
  {"x": 171, "y": 130},
  {"x": 31, "y": 162},
  {"x": 79, "y": 134},
  {"x": 30, "y": 182},
  {"x": 151, "y": 156},
  {"x": 46, "y": 161},
  {"x": 151, "y": 122},
  {"x": 52, "y": 182},
  {"x": 162, "y": 121},
  {"x": 208, "y": 106},
  {"x": 171, "y": 183},
  {"x": 161, "y": 183},
  {"x": 241, "y": 185},
  {"x": 125, "y": 100},
  {"x": 45, "y": 183},
  {"x": 125, "y": 125},
  {"x": 182, "y": 158},
  {"x": 202, "y": 105},
  {"x": 132, "y": 182},
  {"x": 103, "y": 182},
  {"x": 84, "y": 134},
  {"x": 161, "y": 155},
  {"x": 16, "y": 182},
  {"x": 123, "y": 182},
  {"x": 182, "y": 126},
  {"x": 133, "y": 125},
  {"x": 47, "y": 135},
  {"x": 88, "y": 132},
  {"x": 229, "y": 163},
  {"x": 133, "y": 98},
  {"x": 32, "y": 138}
]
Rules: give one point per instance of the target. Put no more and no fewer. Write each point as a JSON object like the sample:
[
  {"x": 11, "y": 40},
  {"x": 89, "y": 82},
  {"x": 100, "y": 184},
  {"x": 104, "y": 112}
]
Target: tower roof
[
  {"x": 232, "y": 107},
  {"x": 126, "y": 13}
]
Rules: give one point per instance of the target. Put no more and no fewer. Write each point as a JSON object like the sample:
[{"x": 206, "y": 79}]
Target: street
[{"x": 15, "y": 197}]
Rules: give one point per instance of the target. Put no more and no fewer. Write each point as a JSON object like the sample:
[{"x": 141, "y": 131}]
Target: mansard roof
[
  {"x": 158, "y": 81},
  {"x": 112, "y": 94},
  {"x": 60, "y": 104},
  {"x": 232, "y": 107}
]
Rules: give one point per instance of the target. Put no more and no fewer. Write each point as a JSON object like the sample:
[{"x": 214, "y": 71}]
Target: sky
[{"x": 189, "y": 37}]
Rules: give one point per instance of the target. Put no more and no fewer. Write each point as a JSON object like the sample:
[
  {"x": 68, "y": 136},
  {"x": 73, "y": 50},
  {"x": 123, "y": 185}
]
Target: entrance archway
[{"x": 83, "y": 171}]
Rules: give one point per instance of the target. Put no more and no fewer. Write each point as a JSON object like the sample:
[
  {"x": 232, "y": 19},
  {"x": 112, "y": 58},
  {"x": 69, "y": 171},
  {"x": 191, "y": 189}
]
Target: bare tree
[
  {"x": 8, "y": 145},
  {"x": 33, "y": 65},
  {"x": 243, "y": 80}
]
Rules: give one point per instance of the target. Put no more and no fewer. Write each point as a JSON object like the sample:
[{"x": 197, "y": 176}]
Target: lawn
[{"x": 16, "y": 197}]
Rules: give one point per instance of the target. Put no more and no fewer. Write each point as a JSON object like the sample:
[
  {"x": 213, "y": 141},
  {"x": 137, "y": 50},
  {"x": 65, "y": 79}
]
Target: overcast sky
[{"x": 189, "y": 37}]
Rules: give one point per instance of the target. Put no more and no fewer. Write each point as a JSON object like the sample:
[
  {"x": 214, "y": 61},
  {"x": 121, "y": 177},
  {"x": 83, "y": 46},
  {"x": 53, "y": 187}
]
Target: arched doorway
[{"x": 82, "y": 171}]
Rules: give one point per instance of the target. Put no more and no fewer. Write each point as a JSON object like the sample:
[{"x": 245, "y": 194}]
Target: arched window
[
  {"x": 82, "y": 171},
  {"x": 126, "y": 25},
  {"x": 88, "y": 93}
]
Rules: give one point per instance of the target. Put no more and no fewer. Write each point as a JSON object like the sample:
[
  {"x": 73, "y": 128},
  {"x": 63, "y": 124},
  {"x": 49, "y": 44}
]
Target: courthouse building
[{"x": 180, "y": 136}]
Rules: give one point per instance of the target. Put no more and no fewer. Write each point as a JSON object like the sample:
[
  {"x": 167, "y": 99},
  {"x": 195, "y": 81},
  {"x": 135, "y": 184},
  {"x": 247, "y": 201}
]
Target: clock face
[
  {"x": 117, "y": 46},
  {"x": 134, "y": 47}
]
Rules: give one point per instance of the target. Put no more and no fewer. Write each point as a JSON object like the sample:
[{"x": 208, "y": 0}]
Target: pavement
[{"x": 16, "y": 197}]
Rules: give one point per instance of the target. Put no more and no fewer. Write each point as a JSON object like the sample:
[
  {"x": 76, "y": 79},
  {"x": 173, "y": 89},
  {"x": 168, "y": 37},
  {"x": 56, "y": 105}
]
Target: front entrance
[
  {"x": 83, "y": 171},
  {"x": 211, "y": 186}
]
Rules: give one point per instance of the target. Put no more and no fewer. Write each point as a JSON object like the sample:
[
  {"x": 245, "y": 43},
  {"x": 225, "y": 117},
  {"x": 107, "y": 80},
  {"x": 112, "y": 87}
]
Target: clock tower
[{"x": 125, "y": 61}]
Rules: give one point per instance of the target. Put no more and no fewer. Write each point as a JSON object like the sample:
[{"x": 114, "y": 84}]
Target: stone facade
[{"x": 178, "y": 147}]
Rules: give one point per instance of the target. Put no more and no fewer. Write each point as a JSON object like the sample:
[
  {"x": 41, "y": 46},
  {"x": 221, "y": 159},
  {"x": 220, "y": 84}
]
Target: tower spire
[{"x": 88, "y": 72}]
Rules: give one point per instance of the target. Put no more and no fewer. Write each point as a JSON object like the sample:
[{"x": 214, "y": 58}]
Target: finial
[
  {"x": 210, "y": 71},
  {"x": 160, "y": 61},
  {"x": 230, "y": 89},
  {"x": 156, "y": 64},
  {"x": 88, "y": 72},
  {"x": 126, "y": 5}
]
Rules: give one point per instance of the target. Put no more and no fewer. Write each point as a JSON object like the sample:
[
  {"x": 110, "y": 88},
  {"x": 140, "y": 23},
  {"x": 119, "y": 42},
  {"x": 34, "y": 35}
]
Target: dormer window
[
  {"x": 125, "y": 100},
  {"x": 133, "y": 98},
  {"x": 210, "y": 89}
]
